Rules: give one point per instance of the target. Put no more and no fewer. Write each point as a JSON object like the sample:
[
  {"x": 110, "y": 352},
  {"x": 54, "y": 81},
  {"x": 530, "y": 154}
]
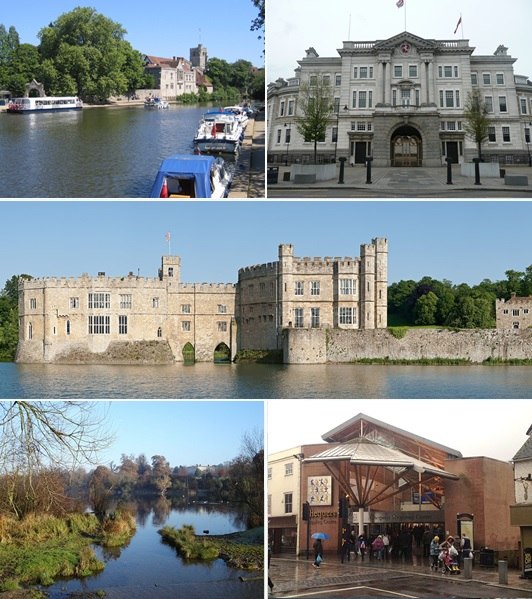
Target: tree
[
  {"x": 161, "y": 474},
  {"x": 258, "y": 22},
  {"x": 315, "y": 105},
  {"x": 476, "y": 122},
  {"x": 425, "y": 309},
  {"x": 89, "y": 55}
]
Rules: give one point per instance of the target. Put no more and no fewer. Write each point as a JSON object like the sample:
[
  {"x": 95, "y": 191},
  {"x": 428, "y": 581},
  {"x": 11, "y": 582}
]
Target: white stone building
[
  {"x": 515, "y": 313},
  {"x": 401, "y": 101}
]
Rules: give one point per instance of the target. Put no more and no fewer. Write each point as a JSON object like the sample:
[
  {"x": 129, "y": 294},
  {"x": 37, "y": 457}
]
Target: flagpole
[
  {"x": 462, "y": 25},
  {"x": 405, "y": 12}
]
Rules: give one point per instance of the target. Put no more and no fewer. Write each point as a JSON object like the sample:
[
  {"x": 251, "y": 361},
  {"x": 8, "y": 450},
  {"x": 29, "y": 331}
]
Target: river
[
  {"x": 146, "y": 567},
  {"x": 263, "y": 381},
  {"x": 93, "y": 153}
]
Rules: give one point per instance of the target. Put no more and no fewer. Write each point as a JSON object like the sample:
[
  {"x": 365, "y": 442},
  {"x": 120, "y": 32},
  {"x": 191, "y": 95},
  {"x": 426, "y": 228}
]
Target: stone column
[
  {"x": 431, "y": 82},
  {"x": 387, "y": 82},
  {"x": 380, "y": 83}
]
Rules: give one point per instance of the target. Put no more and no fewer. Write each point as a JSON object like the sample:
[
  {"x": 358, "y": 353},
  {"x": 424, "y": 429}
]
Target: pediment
[{"x": 405, "y": 43}]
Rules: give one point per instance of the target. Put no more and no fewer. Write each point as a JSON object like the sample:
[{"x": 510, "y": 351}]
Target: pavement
[
  {"x": 294, "y": 577},
  {"x": 250, "y": 179},
  {"x": 404, "y": 182}
]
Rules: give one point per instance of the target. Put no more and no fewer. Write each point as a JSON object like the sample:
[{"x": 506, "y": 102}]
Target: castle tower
[
  {"x": 285, "y": 284},
  {"x": 367, "y": 286},
  {"x": 199, "y": 57},
  {"x": 381, "y": 282},
  {"x": 170, "y": 269}
]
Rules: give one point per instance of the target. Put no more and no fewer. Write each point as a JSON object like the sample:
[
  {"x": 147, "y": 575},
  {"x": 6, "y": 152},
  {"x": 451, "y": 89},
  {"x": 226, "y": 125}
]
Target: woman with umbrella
[{"x": 318, "y": 547}]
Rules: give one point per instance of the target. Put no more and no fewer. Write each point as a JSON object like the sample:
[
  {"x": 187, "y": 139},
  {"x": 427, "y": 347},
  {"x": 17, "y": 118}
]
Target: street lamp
[{"x": 288, "y": 137}]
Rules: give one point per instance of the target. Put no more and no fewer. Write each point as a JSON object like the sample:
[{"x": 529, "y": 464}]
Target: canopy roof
[{"x": 186, "y": 166}]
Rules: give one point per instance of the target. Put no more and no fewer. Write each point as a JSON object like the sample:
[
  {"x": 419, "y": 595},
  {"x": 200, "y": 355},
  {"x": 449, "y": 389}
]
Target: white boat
[
  {"x": 219, "y": 131},
  {"x": 155, "y": 102},
  {"x": 44, "y": 104},
  {"x": 191, "y": 176},
  {"x": 241, "y": 114}
]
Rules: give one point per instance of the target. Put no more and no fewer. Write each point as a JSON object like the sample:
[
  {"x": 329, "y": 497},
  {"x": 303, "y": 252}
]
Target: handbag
[{"x": 319, "y": 559}]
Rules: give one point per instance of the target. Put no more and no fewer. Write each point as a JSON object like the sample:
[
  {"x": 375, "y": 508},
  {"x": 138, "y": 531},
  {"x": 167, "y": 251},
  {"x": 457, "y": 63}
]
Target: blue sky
[
  {"x": 459, "y": 241},
  {"x": 185, "y": 433},
  {"x": 165, "y": 28}
]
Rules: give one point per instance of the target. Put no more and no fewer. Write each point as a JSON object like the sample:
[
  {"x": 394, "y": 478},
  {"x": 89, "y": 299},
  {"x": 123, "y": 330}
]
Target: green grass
[
  {"x": 188, "y": 545},
  {"x": 419, "y": 362}
]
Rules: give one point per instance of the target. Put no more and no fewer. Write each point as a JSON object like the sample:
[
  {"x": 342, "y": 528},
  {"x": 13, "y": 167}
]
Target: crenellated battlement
[{"x": 258, "y": 270}]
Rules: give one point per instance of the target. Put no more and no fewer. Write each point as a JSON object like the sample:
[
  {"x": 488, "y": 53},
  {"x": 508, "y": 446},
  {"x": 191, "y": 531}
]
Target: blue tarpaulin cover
[{"x": 186, "y": 166}]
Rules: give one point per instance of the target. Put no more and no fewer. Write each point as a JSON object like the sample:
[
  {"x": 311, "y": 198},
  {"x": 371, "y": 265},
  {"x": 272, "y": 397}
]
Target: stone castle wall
[{"x": 319, "y": 346}]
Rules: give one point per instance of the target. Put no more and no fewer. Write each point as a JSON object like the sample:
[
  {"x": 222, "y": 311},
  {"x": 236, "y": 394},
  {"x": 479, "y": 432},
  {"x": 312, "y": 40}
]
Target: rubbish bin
[
  {"x": 272, "y": 175},
  {"x": 487, "y": 557}
]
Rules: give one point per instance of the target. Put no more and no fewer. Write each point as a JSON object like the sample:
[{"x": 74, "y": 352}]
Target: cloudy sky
[
  {"x": 492, "y": 428},
  {"x": 294, "y": 26}
]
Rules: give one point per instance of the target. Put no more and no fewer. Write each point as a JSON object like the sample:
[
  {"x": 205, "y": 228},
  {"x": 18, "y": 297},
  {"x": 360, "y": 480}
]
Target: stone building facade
[
  {"x": 515, "y": 313},
  {"x": 401, "y": 101},
  {"x": 79, "y": 319}
]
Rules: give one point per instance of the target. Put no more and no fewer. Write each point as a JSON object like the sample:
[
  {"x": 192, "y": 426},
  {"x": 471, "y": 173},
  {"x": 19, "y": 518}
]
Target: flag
[
  {"x": 399, "y": 3},
  {"x": 458, "y": 24},
  {"x": 167, "y": 236}
]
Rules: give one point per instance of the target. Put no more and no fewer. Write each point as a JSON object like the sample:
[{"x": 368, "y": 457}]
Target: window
[
  {"x": 336, "y": 105},
  {"x": 155, "y": 302},
  {"x": 159, "y": 332},
  {"x": 347, "y": 287},
  {"x": 222, "y": 326},
  {"x": 398, "y": 70},
  {"x": 125, "y": 301},
  {"x": 33, "y": 303},
  {"x": 502, "y": 104},
  {"x": 499, "y": 78},
  {"x": 185, "y": 325},
  {"x": 362, "y": 99},
  {"x": 449, "y": 98},
  {"x": 527, "y": 135},
  {"x": 287, "y": 135},
  {"x": 222, "y": 309},
  {"x": 269, "y": 473},
  {"x": 298, "y": 317},
  {"x": 488, "y": 101},
  {"x": 515, "y": 312},
  {"x": 99, "y": 300},
  {"x": 288, "y": 503},
  {"x": 68, "y": 327},
  {"x": 355, "y": 72},
  {"x": 412, "y": 70},
  {"x": 474, "y": 78},
  {"x": 30, "y": 331},
  {"x": 405, "y": 97},
  {"x": 99, "y": 325},
  {"x": 354, "y": 99},
  {"x": 326, "y": 80},
  {"x": 122, "y": 325},
  {"x": 506, "y": 134},
  {"x": 451, "y": 126},
  {"x": 313, "y": 81},
  {"x": 278, "y": 136},
  {"x": 361, "y": 126},
  {"x": 185, "y": 308},
  {"x": 74, "y": 303},
  {"x": 289, "y": 469},
  {"x": 338, "y": 80},
  {"x": 298, "y": 288},
  {"x": 291, "y": 106},
  {"x": 346, "y": 315},
  {"x": 281, "y": 108},
  {"x": 363, "y": 72},
  {"x": 315, "y": 318},
  {"x": 522, "y": 101},
  {"x": 314, "y": 288},
  {"x": 486, "y": 78},
  {"x": 170, "y": 271},
  {"x": 491, "y": 134}
]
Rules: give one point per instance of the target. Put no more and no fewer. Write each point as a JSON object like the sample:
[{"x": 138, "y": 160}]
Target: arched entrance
[
  {"x": 222, "y": 354},
  {"x": 406, "y": 147},
  {"x": 189, "y": 353}
]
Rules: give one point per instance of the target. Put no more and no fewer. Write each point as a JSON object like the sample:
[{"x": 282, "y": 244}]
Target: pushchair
[{"x": 448, "y": 563}]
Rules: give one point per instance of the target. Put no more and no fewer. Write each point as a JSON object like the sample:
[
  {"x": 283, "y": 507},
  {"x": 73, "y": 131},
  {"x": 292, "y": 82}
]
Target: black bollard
[
  {"x": 477, "y": 170},
  {"x": 449, "y": 162},
  {"x": 368, "y": 170},
  {"x": 342, "y": 166}
]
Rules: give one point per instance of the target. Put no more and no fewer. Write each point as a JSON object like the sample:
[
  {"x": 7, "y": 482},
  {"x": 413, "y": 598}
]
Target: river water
[
  {"x": 93, "y": 153},
  {"x": 263, "y": 381},
  {"x": 147, "y": 567}
]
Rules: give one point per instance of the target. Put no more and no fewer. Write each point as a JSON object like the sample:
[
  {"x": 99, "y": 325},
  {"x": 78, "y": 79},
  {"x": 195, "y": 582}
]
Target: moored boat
[
  {"x": 240, "y": 113},
  {"x": 44, "y": 104},
  {"x": 192, "y": 176},
  {"x": 219, "y": 131},
  {"x": 155, "y": 102}
]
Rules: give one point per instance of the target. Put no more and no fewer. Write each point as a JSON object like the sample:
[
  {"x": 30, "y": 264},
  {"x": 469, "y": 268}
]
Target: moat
[{"x": 263, "y": 381}]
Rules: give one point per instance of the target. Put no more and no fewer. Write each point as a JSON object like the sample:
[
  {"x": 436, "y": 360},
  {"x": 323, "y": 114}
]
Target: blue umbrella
[{"x": 321, "y": 535}]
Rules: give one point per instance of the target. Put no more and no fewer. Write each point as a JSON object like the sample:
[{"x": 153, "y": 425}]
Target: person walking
[
  {"x": 378, "y": 547},
  {"x": 465, "y": 547},
  {"x": 346, "y": 545},
  {"x": 426, "y": 540},
  {"x": 318, "y": 553},
  {"x": 386, "y": 543},
  {"x": 434, "y": 553}
]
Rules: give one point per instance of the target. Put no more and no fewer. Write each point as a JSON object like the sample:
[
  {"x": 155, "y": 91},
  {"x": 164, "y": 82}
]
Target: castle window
[
  {"x": 74, "y": 303},
  {"x": 222, "y": 309},
  {"x": 122, "y": 325},
  {"x": 347, "y": 287},
  {"x": 170, "y": 271},
  {"x": 185, "y": 308},
  {"x": 99, "y": 325},
  {"x": 222, "y": 326},
  {"x": 314, "y": 288},
  {"x": 125, "y": 301},
  {"x": 33, "y": 303},
  {"x": 315, "y": 318},
  {"x": 185, "y": 325},
  {"x": 515, "y": 312},
  {"x": 345, "y": 315},
  {"x": 68, "y": 327},
  {"x": 155, "y": 302},
  {"x": 30, "y": 331},
  {"x": 298, "y": 288},
  {"x": 159, "y": 332},
  {"x": 99, "y": 300},
  {"x": 298, "y": 317}
]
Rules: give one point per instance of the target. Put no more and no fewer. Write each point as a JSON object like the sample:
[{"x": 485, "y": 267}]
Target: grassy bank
[
  {"x": 440, "y": 362},
  {"x": 41, "y": 548},
  {"x": 244, "y": 551}
]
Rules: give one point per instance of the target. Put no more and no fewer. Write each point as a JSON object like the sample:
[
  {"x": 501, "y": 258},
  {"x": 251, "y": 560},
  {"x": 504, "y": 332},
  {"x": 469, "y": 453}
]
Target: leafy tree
[
  {"x": 161, "y": 474},
  {"x": 258, "y": 22},
  {"x": 476, "y": 121},
  {"x": 315, "y": 105},
  {"x": 425, "y": 309}
]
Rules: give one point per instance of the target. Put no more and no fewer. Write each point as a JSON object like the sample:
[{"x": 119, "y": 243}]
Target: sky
[
  {"x": 166, "y": 28},
  {"x": 491, "y": 428},
  {"x": 186, "y": 433},
  {"x": 301, "y": 24},
  {"x": 463, "y": 242}
]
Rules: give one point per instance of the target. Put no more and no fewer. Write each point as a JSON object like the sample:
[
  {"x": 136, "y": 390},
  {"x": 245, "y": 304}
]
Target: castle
[{"x": 132, "y": 318}]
